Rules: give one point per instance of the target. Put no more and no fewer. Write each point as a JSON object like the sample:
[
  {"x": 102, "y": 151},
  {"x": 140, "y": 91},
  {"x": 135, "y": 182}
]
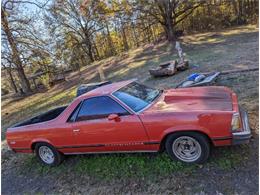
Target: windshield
[{"x": 137, "y": 96}]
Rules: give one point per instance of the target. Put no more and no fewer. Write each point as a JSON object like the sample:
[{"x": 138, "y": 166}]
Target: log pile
[
  {"x": 165, "y": 69},
  {"x": 171, "y": 67}
]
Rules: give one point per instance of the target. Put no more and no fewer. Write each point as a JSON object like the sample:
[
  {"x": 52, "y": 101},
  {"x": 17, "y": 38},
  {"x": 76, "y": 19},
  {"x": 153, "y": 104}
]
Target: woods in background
[{"x": 40, "y": 39}]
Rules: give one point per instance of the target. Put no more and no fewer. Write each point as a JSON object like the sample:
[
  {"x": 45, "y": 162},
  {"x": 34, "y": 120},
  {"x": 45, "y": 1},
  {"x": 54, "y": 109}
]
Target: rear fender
[{"x": 37, "y": 140}]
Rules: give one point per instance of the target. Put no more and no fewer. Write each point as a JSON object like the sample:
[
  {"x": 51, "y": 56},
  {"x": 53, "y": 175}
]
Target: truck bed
[{"x": 49, "y": 115}]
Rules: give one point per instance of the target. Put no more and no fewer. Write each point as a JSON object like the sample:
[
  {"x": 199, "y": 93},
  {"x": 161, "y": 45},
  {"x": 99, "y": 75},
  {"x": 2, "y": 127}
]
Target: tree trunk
[
  {"x": 169, "y": 29},
  {"x": 135, "y": 36},
  {"x": 110, "y": 42},
  {"x": 11, "y": 78},
  {"x": 170, "y": 33},
  {"x": 90, "y": 53},
  {"x": 89, "y": 50},
  {"x": 168, "y": 20},
  {"x": 97, "y": 56},
  {"x": 17, "y": 61},
  {"x": 12, "y": 81},
  {"x": 126, "y": 47},
  {"x": 153, "y": 34},
  {"x": 241, "y": 11}
]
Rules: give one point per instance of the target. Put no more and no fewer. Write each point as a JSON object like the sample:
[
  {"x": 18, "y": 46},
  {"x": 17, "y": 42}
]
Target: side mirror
[{"x": 113, "y": 117}]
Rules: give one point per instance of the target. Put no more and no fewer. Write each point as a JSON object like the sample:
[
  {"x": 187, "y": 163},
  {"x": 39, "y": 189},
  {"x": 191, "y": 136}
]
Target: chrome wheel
[
  {"x": 186, "y": 149},
  {"x": 46, "y": 154}
]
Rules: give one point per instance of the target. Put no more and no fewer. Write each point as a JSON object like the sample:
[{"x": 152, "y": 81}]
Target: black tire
[
  {"x": 201, "y": 139},
  {"x": 58, "y": 157}
]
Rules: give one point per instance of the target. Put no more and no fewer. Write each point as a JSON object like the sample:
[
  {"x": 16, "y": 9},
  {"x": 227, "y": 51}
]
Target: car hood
[{"x": 192, "y": 99}]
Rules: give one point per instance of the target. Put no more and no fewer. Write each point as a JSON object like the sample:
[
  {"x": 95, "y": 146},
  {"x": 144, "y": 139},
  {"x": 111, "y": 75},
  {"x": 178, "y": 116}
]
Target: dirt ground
[{"x": 230, "y": 170}]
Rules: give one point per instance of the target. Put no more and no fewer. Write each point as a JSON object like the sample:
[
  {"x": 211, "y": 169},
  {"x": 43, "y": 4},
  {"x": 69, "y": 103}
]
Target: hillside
[
  {"x": 229, "y": 49},
  {"x": 229, "y": 171}
]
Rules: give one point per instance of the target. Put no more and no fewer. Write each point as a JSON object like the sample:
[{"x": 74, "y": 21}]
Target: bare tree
[
  {"x": 15, "y": 53},
  {"x": 7, "y": 66},
  {"x": 13, "y": 28}
]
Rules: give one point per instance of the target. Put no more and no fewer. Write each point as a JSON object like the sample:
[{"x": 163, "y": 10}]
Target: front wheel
[
  {"x": 189, "y": 147},
  {"x": 48, "y": 155}
]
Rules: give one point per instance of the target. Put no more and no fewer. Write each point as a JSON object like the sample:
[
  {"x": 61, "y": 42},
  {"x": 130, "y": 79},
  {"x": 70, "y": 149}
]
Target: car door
[{"x": 102, "y": 125}]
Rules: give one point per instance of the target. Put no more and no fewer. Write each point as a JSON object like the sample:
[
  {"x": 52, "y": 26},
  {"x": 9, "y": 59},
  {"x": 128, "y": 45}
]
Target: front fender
[{"x": 184, "y": 128}]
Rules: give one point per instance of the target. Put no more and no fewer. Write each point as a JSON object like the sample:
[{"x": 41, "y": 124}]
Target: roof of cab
[{"x": 106, "y": 89}]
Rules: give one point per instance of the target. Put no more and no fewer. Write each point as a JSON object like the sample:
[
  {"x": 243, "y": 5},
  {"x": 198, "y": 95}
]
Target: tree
[
  {"x": 8, "y": 68},
  {"x": 68, "y": 17},
  {"x": 122, "y": 17},
  {"x": 15, "y": 53},
  {"x": 75, "y": 33},
  {"x": 19, "y": 37},
  {"x": 168, "y": 13}
]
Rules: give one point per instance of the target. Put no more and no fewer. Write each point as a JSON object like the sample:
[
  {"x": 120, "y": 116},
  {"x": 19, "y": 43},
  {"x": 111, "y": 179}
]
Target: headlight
[{"x": 235, "y": 123}]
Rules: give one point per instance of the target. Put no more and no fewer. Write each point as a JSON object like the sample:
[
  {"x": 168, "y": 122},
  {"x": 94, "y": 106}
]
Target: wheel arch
[
  {"x": 37, "y": 141},
  {"x": 163, "y": 140}
]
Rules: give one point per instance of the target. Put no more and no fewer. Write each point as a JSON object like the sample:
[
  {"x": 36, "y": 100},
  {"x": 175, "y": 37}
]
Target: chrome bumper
[{"x": 245, "y": 135}]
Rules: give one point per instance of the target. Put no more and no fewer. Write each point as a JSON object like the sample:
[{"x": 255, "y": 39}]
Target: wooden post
[
  {"x": 180, "y": 53},
  {"x": 101, "y": 74},
  {"x": 182, "y": 64}
]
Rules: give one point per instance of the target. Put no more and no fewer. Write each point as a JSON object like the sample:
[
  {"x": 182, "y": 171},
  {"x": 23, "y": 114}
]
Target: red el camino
[{"x": 131, "y": 117}]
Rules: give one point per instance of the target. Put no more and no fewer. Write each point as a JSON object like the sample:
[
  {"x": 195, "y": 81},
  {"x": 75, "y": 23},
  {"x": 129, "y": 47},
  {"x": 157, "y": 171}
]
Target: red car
[{"x": 131, "y": 117}]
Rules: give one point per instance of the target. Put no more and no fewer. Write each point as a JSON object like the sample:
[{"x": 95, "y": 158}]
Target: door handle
[{"x": 76, "y": 130}]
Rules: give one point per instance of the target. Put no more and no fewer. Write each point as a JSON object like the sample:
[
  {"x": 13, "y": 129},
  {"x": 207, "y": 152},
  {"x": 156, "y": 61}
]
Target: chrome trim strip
[
  {"x": 113, "y": 152},
  {"x": 107, "y": 145},
  {"x": 145, "y": 108},
  {"x": 21, "y": 149},
  {"x": 122, "y": 104},
  {"x": 81, "y": 146},
  {"x": 241, "y": 133},
  {"x": 134, "y": 112},
  {"x": 221, "y": 138},
  {"x": 151, "y": 143}
]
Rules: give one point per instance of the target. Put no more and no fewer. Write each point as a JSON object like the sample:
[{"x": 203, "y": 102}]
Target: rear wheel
[
  {"x": 48, "y": 155},
  {"x": 188, "y": 147}
]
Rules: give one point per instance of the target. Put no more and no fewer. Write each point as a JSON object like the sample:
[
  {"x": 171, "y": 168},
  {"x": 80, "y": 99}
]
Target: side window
[{"x": 99, "y": 107}]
